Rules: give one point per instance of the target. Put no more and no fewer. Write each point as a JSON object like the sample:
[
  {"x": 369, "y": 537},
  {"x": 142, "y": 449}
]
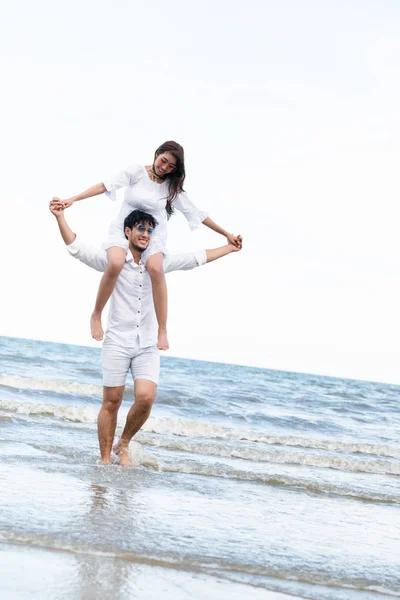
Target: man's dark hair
[{"x": 139, "y": 217}]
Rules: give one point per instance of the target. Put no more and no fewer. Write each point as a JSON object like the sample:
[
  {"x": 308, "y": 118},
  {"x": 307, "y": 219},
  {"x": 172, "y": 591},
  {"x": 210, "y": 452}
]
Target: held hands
[
  {"x": 56, "y": 209},
  {"x": 62, "y": 203},
  {"x": 234, "y": 240},
  {"x": 235, "y": 247}
]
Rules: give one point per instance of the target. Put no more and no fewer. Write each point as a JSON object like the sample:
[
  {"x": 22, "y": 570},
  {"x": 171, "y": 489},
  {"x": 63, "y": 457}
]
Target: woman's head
[{"x": 169, "y": 163}]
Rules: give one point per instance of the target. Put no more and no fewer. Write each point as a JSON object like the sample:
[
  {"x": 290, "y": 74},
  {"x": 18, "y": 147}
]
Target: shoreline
[{"x": 50, "y": 573}]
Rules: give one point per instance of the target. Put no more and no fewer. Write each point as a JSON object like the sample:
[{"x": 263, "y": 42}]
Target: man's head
[{"x": 138, "y": 228}]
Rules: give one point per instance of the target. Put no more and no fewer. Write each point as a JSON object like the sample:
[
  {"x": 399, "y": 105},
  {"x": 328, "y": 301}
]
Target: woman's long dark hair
[{"x": 177, "y": 177}]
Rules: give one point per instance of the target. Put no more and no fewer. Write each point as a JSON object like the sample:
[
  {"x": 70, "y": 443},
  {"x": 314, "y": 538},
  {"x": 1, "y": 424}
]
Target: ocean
[{"x": 248, "y": 483}]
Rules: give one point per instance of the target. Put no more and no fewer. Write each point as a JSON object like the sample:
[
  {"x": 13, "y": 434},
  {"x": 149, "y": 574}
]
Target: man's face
[{"x": 139, "y": 236}]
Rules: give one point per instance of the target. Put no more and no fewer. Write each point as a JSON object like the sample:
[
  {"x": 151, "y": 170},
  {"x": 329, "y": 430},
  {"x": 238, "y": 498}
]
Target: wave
[
  {"x": 226, "y": 471},
  {"x": 193, "y": 430},
  {"x": 50, "y": 385},
  {"x": 255, "y": 454},
  {"x": 69, "y": 413}
]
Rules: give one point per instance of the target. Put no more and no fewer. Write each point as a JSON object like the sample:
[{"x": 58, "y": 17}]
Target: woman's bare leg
[
  {"x": 116, "y": 258},
  {"x": 155, "y": 268}
]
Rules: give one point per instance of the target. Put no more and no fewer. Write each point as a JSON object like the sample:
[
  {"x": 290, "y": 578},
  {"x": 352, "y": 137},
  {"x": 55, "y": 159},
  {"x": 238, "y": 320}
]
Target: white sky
[{"x": 288, "y": 113}]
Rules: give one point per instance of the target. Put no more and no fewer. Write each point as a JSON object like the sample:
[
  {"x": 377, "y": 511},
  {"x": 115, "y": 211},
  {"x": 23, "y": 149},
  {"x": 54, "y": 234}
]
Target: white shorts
[{"x": 144, "y": 363}]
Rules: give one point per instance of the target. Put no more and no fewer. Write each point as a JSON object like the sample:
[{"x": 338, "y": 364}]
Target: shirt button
[
  {"x": 139, "y": 298},
  {"x": 140, "y": 285},
  {"x": 138, "y": 311}
]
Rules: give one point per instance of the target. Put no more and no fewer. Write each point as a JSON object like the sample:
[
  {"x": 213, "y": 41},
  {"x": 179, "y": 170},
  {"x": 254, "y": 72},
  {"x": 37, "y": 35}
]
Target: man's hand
[
  {"x": 66, "y": 232},
  {"x": 56, "y": 209},
  {"x": 235, "y": 240},
  {"x": 237, "y": 245},
  {"x": 216, "y": 253},
  {"x": 63, "y": 203}
]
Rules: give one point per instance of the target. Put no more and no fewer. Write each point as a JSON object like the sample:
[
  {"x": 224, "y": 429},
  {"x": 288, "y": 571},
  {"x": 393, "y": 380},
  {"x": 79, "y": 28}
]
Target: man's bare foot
[
  {"x": 162, "y": 341},
  {"x": 95, "y": 327},
  {"x": 122, "y": 451}
]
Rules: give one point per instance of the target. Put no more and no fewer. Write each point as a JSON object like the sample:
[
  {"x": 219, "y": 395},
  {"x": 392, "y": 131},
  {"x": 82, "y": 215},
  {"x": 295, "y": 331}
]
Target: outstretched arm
[
  {"x": 235, "y": 240},
  {"x": 195, "y": 216},
  {"x": 95, "y": 190},
  {"x": 216, "y": 253},
  {"x": 191, "y": 260},
  {"x": 66, "y": 232},
  {"x": 90, "y": 256}
]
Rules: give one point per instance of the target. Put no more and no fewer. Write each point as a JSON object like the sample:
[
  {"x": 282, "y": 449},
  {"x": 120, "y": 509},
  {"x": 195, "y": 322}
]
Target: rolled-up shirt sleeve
[
  {"x": 194, "y": 216},
  {"x": 128, "y": 176},
  {"x": 89, "y": 255},
  {"x": 184, "y": 262}
]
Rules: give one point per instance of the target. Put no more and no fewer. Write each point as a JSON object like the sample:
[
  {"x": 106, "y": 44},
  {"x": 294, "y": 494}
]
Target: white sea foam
[
  {"x": 190, "y": 467},
  {"x": 276, "y": 456},
  {"x": 197, "y": 430},
  {"x": 70, "y": 413},
  {"x": 200, "y": 429},
  {"x": 50, "y": 385}
]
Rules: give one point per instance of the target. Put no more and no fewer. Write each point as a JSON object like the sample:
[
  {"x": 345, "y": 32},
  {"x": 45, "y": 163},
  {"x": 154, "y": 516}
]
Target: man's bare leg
[
  {"x": 107, "y": 420},
  {"x": 145, "y": 392}
]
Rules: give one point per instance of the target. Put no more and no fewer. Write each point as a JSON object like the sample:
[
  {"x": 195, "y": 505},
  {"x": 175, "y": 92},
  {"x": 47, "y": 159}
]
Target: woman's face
[{"x": 164, "y": 164}]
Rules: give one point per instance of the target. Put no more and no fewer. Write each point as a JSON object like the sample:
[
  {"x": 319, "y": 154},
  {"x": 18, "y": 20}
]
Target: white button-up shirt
[{"x": 132, "y": 320}]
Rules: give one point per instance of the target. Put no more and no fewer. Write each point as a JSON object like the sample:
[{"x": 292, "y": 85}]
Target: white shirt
[{"x": 132, "y": 319}]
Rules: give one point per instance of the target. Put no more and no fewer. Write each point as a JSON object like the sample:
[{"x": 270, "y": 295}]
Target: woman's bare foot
[
  {"x": 95, "y": 327},
  {"x": 121, "y": 449},
  {"x": 162, "y": 341}
]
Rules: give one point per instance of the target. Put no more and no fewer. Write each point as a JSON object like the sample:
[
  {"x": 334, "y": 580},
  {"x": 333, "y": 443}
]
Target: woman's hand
[
  {"x": 235, "y": 240},
  {"x": 56, "y": 202}
]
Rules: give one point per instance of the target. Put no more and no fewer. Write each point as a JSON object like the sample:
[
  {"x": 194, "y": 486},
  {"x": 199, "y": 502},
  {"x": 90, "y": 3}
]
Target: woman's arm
[
  {"x": 95, "y": 190},
  {"x": 235, "y": 240},
  {"x": 195, "y": 216}
]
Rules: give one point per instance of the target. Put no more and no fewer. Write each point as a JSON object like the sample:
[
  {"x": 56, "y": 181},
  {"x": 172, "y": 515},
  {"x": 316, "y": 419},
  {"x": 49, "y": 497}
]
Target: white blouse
[{"x": 144, "y": 194}]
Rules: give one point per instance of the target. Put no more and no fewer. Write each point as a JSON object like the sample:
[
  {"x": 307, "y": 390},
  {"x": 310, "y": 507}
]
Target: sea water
[{"x": 252, "y": 481}]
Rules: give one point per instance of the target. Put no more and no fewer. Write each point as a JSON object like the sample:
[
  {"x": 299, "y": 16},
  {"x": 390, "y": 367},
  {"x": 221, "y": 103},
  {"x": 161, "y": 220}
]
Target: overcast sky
[{"x": 288, "y": 113}]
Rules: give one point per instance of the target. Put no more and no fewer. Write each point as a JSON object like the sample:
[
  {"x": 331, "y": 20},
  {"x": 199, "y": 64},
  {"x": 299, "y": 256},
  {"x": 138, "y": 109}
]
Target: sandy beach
[{"x": 28, "y": 572}]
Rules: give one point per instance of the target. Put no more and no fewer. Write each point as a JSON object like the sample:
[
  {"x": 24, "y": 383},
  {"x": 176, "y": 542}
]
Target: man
[{"x": 131, "y": 336}]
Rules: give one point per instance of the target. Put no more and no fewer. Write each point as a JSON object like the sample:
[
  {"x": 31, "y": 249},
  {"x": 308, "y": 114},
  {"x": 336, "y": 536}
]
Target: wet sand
[{"x": 29, "y": 572}]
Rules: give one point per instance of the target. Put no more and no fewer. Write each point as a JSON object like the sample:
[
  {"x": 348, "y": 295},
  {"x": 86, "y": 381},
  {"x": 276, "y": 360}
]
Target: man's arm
[
  {"x": 191, "y": 260},
  {"x": 93, "y": 257},
  {"x": 216, "y": 253},
  {"x": 66, "y": 232}
]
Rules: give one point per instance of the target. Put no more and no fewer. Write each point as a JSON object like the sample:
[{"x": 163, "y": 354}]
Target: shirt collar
[{"x": 129, "y": 258}]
